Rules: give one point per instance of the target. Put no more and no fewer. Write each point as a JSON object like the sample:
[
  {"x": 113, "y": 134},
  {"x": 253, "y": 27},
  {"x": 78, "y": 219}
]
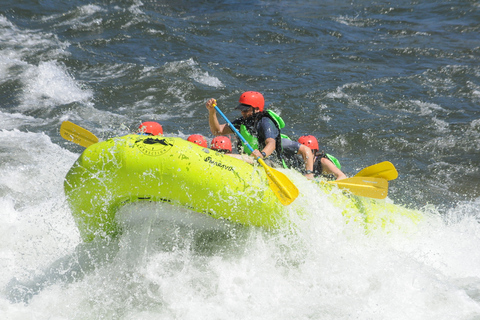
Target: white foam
[
  {"x": 19, "y": 43},
  {"x": 325, "y": 268},
  {"x": 83, "y": 17},
  {"x": 194, "y": 72},
  {"x": 427, "y": 108},
  {"x": 36, "y": 226},
  {"x": 352, "y": 21},
  {"x": 475, "y": 124},
  {"x": 46, "y": 84},
  {"x": 9, "y": 121},
  {"x": 49, "y": 85},
  {"x": 441, "y": 125}
]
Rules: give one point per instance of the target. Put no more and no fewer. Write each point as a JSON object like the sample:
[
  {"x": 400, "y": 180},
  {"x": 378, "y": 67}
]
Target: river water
[{"x": 373, "y": 81}]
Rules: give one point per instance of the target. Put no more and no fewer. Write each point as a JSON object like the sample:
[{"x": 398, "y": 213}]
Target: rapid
[{"x": 396, "y": 81}]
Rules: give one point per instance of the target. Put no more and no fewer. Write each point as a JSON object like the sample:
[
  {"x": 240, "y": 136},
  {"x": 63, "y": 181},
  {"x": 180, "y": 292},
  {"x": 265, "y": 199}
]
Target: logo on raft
[
  {"x": 154, "y": 146},
  {"x": 218, "y": 164}
]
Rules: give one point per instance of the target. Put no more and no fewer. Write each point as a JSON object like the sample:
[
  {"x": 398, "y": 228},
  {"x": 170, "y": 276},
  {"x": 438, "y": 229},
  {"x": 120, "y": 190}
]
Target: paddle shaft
[{"x": 234, "y": 129}]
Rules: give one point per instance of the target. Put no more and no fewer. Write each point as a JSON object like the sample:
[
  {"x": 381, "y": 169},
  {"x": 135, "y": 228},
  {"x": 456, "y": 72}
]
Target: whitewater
[{"x": 385, "y": 81}]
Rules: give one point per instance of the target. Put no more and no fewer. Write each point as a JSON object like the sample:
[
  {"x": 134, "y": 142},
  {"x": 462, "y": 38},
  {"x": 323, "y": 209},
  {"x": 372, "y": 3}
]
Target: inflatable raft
[{"x": 136, "y": 168}]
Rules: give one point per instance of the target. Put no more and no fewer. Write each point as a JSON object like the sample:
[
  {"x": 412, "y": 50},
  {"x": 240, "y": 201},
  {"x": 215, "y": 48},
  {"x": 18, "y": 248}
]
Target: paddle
[
  {"x": 283, "y": 188},
  {"x": 385, "y": 170},
  {"x": 72, "y": 132},
  {"x": 371, "y": 187}
]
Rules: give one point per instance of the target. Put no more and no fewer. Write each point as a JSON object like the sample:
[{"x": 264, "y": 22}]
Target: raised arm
[{"x": 216, "y": 128}]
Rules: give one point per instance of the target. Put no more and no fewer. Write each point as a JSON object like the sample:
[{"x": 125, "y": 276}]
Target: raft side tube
[{"x": 136, "y": 168}]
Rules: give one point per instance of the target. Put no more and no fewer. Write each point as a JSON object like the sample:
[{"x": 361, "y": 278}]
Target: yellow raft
[{"x": 135, "y": 168}]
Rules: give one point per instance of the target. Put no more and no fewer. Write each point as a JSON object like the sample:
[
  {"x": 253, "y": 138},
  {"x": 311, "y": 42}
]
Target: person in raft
[
  {"x": 198, "y": 139},
  {"x": 150, "y": 128},
  {"x": 223, "y": 145},
  {"x": 261, "y": 128},
  {"x": 323, "y": 163}
]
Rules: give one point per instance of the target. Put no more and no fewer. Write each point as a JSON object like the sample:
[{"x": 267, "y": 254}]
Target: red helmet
[
  {"x": 309, "y": 141},
  {"x": 253, "y": 98},
  {"x": 150, "y": 127},
  {"x": 222, "y": 144},
  {"x": 198, "y": 139}
]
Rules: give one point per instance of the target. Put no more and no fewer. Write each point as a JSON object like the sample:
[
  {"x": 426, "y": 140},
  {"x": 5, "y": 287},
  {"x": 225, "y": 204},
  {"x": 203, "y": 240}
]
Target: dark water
[{"x": 374, "y": 81}]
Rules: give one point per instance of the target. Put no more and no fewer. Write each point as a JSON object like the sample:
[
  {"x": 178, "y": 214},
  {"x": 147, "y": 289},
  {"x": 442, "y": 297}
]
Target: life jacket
[
  {"x": 334, "y": 160},
  {"x": 250, "y": 133}
]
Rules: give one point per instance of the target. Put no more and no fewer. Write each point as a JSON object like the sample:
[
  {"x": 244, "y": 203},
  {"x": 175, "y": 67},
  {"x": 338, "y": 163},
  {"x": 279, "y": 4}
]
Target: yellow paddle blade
[
  {"x": 283, "y": 188},
  {"x": 370, "y": 187},
  {"x": 385, "y": 170},
  {"x": 72, "y": 132}
]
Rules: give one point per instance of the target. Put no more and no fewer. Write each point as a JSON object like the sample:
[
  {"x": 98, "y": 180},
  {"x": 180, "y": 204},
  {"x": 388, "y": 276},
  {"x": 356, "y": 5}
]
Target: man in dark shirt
[{"x": 259, "y": 129}]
